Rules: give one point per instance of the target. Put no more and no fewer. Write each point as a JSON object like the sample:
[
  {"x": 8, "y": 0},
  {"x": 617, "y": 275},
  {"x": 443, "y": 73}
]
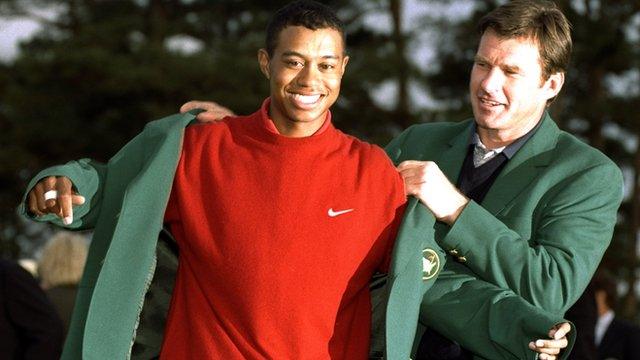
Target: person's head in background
[
  {"x": 62, "y": 260},
  {"x": 606, "y": 292}
]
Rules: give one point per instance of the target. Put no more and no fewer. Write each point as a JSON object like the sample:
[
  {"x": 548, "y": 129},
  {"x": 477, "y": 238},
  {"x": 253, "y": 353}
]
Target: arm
[
  {"x": 545, "y": 250},
  {"x": 571, "y": 229},
  {"x": 86, "y": 181},
  {"x": 491, "y": 322}
]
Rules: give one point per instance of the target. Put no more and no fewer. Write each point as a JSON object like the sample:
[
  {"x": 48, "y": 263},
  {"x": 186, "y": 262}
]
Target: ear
[
  {"x": 345, "y": 60},
  {"x": 263, "y": 61},
  {"x": 554, "y": 84}
]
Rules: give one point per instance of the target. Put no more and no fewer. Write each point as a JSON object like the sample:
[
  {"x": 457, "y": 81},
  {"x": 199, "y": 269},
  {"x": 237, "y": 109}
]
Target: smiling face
[
  {"x": 508, "y": 92},
  {"x": 304, "y": 76}
]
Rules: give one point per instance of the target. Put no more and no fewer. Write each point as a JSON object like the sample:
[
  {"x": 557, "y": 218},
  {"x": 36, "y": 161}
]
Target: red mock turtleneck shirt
[{"x": 278, "y": 240}]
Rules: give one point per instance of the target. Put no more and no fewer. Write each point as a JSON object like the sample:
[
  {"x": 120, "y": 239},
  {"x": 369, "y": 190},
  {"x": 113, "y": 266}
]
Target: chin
[{"x": 306, "y": 117}]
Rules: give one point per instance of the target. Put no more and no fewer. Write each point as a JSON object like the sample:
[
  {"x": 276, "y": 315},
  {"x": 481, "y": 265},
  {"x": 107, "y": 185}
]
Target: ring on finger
[{"x": 51, "y": 194}]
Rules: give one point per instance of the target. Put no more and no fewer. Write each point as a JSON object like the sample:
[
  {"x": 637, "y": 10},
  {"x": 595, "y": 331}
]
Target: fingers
[
  {"x": 33, "y": 203},
  {"x": 65, "y": 197},
  {"x": 409, "y": 164},
  {"x": 213, "y": 111},
  {"x": 54, "y": 195},
  {"x": 546, "y": 357},
  {"x": 191, "y": 105},
  {"x": 549, "y": 348},
  {"x": 38, "y": 194},
  {"x": 210, "y": 116},
  {"x": 208, "y": 106},
  {"x": 560, "y": 331},
  {"x": 49, "y": 183},
  {"x": 409, "y": 169},
  {"x": 543, "y": 354},
  {"x": 552, "y": 347}
]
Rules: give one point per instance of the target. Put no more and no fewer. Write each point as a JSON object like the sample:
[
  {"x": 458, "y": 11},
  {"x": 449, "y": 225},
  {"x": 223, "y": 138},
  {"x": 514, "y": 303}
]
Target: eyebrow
[
  {"x": 513, "y": 68},
  {"x": 480, "y": 58},
  {"x": 295, "y": 53}
]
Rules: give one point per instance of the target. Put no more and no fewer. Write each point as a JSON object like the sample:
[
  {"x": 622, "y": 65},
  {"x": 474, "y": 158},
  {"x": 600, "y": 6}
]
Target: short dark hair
[
  {"x": 604, "y": 281},
  {"x": 310, "y": 14},
  {"x": 541, "y": 21}
]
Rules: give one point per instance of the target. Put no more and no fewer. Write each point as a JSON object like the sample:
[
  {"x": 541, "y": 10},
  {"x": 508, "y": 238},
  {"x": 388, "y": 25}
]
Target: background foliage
[{"x": 99, "y": 70}]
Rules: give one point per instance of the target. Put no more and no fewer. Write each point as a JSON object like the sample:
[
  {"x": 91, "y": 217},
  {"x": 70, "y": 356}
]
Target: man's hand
[
  {"x": 212, "y": 111},
  {"x": 54, "y": 195},
  {"x": 549, "y": 349},
  {"x": 427, "y": 182}
]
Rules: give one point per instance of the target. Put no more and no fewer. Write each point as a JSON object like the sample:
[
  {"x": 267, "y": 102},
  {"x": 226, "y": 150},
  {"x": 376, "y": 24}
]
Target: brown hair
[
  {"x": 62, "y": 260},
  {"x": 604, "y": 281},
  {"x": 540, "y": 21}
]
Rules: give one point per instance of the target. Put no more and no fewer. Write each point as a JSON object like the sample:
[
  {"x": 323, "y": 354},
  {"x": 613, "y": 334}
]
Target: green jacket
[
  {"x": 541, "y": 230},
  {"x": 126, "y": 287}
]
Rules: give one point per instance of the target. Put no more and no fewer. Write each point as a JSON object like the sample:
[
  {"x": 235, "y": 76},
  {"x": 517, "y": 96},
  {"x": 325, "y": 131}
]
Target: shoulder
[
  {"x": 226, "y": 123},
  {"x": 373, "y": 166},
  {"x": 584, "y": 157},
  {"x": 367, "y": 152},
  {"x": 625, "y": 327},
  {"x": 198, "y": 132}
]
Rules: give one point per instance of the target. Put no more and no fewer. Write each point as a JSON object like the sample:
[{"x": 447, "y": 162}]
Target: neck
[
  {"x": 603, "y": 309},
  {"x": 296, "y": 129},
  {"x": 497, "y": 138}
]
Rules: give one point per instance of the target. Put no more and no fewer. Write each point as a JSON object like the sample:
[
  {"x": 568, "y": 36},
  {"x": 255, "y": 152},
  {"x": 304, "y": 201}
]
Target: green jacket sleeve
[
  {"x": 569, "y": 233},
  {"x": 493, "y": 323},
  {"x": 87, "y": 177}
]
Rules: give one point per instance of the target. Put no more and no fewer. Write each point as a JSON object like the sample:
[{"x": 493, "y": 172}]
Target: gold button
[
  {"x": 462, "y": 259},
  {"x": 453, "y": 252}
]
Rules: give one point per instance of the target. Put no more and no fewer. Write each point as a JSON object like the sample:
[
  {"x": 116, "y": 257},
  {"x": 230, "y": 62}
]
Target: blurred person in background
[
  {"x": 60, "y": 269},
  {"x": 584, "y": 315},
  {"x": 29, "y": 325},
  {"x": 615, "y": 338}
]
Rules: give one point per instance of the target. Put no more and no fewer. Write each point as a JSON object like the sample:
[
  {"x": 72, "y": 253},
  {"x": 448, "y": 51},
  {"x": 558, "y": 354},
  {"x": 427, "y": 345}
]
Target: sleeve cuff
[{"x": 86, "y": 186}]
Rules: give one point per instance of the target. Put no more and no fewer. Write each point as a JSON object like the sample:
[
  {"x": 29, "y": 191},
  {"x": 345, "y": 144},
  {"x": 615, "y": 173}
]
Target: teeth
[
  {"x": 306, "y": 99},
  {"x": 491, "y": 103}
]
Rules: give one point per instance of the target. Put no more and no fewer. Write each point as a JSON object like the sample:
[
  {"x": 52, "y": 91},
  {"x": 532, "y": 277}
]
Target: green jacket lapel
[
  {"x": 407, "y": 281},
  {"x": 144, "y": 203},
  {"x": 523, "y": 168},
  {"x": 450, "y": 161}
]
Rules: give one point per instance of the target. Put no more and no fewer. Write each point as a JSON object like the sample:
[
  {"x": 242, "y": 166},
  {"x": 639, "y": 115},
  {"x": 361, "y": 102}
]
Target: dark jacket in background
[
  {"x": 63, "y": 298},
  {"x": 29, "y": 325},
  {"x": 621, "y": 341},
  {"x": 584, "y": 315}
]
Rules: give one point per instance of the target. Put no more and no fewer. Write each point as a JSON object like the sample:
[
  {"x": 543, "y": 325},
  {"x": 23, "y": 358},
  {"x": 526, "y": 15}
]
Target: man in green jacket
[
  {"x": 129, "y": 268},
  {"x": 520, "y": 204}
]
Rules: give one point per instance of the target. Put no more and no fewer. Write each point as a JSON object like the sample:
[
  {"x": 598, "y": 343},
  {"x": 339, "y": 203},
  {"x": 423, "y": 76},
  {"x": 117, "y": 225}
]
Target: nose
[
  {"x": 308, "y": 76},
  {"x": 492, "y": 80}
]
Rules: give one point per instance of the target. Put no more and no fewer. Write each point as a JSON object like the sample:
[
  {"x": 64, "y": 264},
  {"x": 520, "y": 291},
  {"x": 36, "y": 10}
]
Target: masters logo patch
[{"x": 430, "y": 264}]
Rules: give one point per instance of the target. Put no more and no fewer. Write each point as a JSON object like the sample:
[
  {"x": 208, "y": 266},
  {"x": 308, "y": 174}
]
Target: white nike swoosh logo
[{"x": 332, "y": 213}]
